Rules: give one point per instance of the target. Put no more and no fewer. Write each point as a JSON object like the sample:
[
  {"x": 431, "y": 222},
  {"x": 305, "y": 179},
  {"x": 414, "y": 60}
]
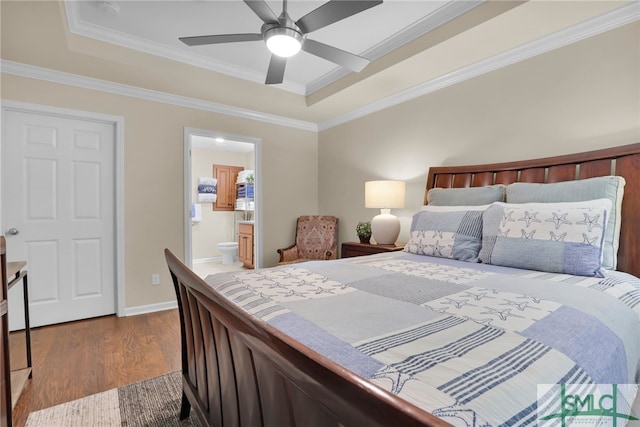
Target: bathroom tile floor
[{"x": 206, "y": 268}]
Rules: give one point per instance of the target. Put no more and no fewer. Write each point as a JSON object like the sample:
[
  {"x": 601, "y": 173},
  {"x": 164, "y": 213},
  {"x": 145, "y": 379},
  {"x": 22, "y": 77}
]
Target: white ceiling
[
  {"x": 416, "y": 47},
  {"x": 154, "y": 27}
]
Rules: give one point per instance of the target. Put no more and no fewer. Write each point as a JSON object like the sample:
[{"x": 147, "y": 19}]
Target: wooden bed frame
[
  {"x": 239, "y": 371},
  {"x": 622, "y": 161}
]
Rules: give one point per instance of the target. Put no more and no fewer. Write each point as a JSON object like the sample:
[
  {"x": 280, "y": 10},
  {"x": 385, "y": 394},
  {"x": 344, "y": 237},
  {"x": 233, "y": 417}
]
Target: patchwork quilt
[{"x": 467, "y": 342}]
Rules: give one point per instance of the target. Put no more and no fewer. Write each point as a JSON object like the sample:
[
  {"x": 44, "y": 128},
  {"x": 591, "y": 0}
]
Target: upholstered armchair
[{"x": 316, "y": 239}]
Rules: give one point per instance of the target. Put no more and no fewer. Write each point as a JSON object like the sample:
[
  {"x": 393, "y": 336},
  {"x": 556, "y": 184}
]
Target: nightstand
[{"x": 351, "y": 249}]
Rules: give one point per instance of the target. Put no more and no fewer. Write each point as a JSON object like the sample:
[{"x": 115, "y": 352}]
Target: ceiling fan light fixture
[
  {"x": 285, "y": 37},
  {"x": 284, "y": 42}
]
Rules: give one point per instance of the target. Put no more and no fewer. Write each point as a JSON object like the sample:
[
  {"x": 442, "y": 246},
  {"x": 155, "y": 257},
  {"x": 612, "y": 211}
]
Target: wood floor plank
[{"x": 77, "y": 359}]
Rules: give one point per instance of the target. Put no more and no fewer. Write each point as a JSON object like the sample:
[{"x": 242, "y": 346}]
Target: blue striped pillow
[{"x": 447, "y": 232}]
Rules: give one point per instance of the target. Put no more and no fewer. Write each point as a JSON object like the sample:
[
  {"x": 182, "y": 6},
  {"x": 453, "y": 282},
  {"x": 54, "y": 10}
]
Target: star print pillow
[
  {"x": 552, "y": 237},
  {"x": 447, "y": 232},
  {"x": 602, "y": 187}
]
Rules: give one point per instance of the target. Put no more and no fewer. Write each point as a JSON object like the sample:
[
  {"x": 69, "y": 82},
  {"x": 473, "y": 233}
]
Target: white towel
[
  {"x": 242, "y": 205},
  {"x": 243, "y": 175},
  {"x": 207, "y": 181},
  {"x": 207, "y": 197}
]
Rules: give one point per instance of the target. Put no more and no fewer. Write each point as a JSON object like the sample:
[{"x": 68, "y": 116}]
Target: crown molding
[
  {"x": 437, "y": 18},
  {"x": 78, "y": 26},
  {"x": 39, "y": 73},
  {"x": 617, "y": 18},
  {"x": 442, "y": 15},
  {"x": 609, "y": 21}
]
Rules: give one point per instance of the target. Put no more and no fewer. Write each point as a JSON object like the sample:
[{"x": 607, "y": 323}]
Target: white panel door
[{"x": 58, "y": 192}]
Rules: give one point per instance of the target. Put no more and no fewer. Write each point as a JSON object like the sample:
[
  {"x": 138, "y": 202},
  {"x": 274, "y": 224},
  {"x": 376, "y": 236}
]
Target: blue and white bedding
[{"x": 467, "y": 342}]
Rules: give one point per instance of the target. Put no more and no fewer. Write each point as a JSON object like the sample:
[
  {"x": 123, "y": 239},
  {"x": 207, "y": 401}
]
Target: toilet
[{"x": 229, "y": 251}]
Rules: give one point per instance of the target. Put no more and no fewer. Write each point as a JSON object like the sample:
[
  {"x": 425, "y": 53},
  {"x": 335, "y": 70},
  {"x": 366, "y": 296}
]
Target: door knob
[{"x": 13, "y": 231}]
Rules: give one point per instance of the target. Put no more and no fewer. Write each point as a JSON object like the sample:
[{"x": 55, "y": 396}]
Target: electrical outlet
[{"x": 155, "y": 279}]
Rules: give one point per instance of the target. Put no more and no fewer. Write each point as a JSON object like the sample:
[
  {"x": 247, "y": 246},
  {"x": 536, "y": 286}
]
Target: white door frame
[
  {"x": 257, "y": 156},
  {"x": 118, "y": 123}
]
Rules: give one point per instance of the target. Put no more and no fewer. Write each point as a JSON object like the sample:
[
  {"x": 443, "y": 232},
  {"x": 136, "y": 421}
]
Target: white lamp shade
[{"x": 384, "y": 194}]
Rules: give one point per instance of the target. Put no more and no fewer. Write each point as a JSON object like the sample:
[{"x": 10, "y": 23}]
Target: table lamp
[{"x": 385, "y": 195}]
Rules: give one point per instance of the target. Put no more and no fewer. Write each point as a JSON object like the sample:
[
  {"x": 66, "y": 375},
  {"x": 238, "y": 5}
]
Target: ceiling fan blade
[
  {"x": 333, "y": 11},
  {"x": 221, "y": 38},
  {"x": 275, "y": 75},
  {"x": 349, "y": 60},
  {"x": 262, "y": 9}
]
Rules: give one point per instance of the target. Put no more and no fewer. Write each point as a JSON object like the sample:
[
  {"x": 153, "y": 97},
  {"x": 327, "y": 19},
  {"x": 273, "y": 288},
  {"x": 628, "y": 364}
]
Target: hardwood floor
[{"x": 77, "y": 359}]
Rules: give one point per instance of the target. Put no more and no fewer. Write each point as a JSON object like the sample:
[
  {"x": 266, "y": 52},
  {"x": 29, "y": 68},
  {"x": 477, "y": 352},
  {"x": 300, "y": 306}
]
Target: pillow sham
[
  {"x": 471, "y": 196},
  {"x": 437, "y": 208},
  {"x": 552, "y": 237},
  {"x": 605, "y": 187},
  {"x": 447, "y": 232}
]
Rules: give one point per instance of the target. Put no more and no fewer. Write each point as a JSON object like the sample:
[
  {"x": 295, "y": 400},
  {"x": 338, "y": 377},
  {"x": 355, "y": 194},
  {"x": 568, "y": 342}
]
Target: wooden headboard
[{"x": 622, "y": 161}]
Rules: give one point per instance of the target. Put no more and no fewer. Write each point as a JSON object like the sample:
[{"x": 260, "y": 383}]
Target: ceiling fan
[{"x": 285, "y": 37}]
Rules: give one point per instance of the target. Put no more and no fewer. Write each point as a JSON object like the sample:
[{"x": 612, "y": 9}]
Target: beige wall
[
  {"x": 216, "y": 226},
  {"x": 153, "y": 163},
  {"x": 578, "y": 98}
]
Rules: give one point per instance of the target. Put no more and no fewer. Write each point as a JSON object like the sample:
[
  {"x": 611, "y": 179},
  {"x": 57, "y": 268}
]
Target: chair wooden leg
[{"x": 185, "y": 408}]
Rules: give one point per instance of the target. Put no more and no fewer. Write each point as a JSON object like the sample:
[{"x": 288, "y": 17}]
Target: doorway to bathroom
[{"x": 222, "y": 201}]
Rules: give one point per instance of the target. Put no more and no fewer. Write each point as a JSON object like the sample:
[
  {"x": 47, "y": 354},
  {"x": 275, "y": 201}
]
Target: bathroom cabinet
[
  {"x": 245, "y": 244},
  {"x": 226, "y": 189}
]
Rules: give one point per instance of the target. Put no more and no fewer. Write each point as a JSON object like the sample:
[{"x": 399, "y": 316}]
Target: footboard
[{"x": 239, "y": 371}]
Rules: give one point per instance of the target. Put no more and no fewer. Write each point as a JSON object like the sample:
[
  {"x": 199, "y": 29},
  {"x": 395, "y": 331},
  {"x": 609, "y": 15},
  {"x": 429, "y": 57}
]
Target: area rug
[{"x": 153, "y": 402}]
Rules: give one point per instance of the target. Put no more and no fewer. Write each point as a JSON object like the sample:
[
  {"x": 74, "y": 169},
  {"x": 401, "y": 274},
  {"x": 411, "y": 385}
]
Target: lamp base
[{"x": 385, "y": 228}]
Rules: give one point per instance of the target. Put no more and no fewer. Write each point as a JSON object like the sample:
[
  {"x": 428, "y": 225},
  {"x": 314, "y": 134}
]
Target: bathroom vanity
[{"x": 245, "y": 243}]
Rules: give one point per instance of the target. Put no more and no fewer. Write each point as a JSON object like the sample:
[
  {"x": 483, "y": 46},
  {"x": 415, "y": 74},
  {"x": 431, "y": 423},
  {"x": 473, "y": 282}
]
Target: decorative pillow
[
  {"x": 471, "y": 196},
  {"x": 553, "y": 237},
  {"x": 605, "y": 187},
  {"x": 447, "y": 231}
]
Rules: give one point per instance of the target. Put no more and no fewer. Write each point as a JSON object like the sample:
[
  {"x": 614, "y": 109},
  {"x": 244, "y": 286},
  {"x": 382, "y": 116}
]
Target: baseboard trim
[{"x": 151, "y": 308}]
